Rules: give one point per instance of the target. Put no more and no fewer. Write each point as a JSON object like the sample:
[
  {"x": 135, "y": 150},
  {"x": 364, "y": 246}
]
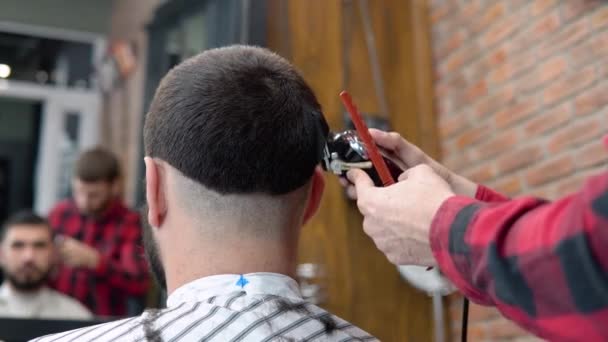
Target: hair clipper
[{"x": 345, "y": 151}]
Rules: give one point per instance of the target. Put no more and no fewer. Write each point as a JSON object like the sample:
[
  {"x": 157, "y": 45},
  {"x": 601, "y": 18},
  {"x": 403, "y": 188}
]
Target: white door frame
[{"x": 57, "y": 101}]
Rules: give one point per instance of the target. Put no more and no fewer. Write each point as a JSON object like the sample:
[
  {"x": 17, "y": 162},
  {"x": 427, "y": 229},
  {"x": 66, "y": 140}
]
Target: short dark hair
[
  {"x": 97, "y": 164},
  {"x": 23, "y": 217},
  {"x": 238, "y": 119}
]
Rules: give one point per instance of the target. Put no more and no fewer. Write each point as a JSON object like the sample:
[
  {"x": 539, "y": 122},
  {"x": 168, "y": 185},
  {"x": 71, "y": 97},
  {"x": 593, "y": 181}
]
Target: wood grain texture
[{"x": 360, "y": 284}]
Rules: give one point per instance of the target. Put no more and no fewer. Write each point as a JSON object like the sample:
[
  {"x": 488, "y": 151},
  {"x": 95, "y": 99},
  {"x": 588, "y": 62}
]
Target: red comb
[{"x": 372, "y": 149}]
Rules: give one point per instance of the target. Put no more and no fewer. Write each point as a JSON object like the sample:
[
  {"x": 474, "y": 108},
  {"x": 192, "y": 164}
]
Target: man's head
[
  {"x": 95, "y": 178},
  {"x": 233, "y": 138},
  {"x": 26, "y": 251}
]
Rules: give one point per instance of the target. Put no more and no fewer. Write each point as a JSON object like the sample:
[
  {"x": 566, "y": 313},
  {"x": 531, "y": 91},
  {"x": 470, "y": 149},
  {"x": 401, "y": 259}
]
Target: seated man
[
  {"x": 98, "y": 239},
  {"x": 233, "y": 139},
  {"x": 26, "y": 255}
]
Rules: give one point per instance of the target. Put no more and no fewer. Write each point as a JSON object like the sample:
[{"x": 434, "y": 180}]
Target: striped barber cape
[{"x": 251, "y": 307}]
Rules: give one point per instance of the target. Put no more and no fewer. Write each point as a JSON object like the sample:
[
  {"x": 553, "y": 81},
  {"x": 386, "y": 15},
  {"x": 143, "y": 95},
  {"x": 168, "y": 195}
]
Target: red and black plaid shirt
[
  {"x": 544, "y": 265},
  {"x": 122, "y": 270}
]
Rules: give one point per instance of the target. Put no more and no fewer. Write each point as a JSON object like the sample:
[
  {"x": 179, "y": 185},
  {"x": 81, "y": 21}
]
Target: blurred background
[{"x": 510, "y": 93}]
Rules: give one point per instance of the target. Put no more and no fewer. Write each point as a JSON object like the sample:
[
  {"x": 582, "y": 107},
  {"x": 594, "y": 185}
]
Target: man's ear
[
  {"x": 316, "y": 193},
  {"x": 155, "y": 194}
]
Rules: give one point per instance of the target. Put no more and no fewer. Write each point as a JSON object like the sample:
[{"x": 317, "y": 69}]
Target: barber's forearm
[{"x": 449, "y": 247}]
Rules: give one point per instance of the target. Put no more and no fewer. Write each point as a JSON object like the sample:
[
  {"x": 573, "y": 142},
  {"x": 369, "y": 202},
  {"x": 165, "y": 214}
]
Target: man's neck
[
  {"x": 13, "y": 290},
  {"x": 246, "y": 255}
]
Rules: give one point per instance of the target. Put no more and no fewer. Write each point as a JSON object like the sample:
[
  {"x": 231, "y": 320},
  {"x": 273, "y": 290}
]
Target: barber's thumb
[{"x": 359, "y": 178}]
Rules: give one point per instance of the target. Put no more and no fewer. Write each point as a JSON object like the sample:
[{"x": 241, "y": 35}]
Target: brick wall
[{"x": 522, "y": 99}]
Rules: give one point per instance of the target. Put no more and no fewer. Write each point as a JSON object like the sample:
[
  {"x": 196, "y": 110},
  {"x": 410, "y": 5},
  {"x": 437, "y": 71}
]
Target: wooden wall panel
[{"x": 360, "y": 284}]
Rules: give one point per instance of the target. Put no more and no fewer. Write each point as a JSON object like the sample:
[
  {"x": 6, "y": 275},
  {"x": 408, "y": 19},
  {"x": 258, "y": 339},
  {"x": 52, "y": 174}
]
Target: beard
[
  {"x": 152, "y": 253},
  {"x": 28, "y": 284}
]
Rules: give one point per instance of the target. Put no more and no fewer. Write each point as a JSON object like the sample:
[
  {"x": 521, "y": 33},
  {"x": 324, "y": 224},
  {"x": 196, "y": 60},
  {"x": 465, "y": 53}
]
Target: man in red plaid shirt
[
  {"x": 99, "y": 240},
  {"x": 542, "y": 264}
]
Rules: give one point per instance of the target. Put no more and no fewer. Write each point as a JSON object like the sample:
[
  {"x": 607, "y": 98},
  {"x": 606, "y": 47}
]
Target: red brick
[
  {"x": 445, "y": 88},
  {"x": 552, "y": 69},
  {"x": 472, "y": 136},
  {"x": 546, "y": 192},
  {"x": 456, "y": 161},
  {"x": 494, "y": 102},
  {"x": 548, "y": 171},
  {"x": 501, "y": 30},
  {"x": 575, "y": 134},
  {"x": 481, "y": 174},
  {"x": 548, "y": 71},
  {"x": 548, "y": 120},
  {"x": 520, "y": 158},
  {"x": 541, "y": 29},
  {"x": 569, "y": 85},
  {"x": 482, "y": 313},
  {"x": 498, "y": 56},
  {"x": 592, "y": 100},
  {"x": 489, "y": 17},
  {"x": 457, "y": 59},
  {"x": 516, "y": 112},
  {"x": 469, "y": 9},
  {"x": 511, "y": 68},
  {"x": 503, "y": 328},
  {"x": 573, "y": 9},
  {"x": 481, "y": 68},
  {"x": 476, "y": 91},
  {"x": 593, "y": 49},
  {"x": 570, "y": 184},
  {"x": 449, "y": 46},
  {"x": 600, "y": 18},
  {"x": 496, "y": 145},
  {"x": 511, "y": 186},
  {"x": 571, "y": 34},
  {"x": 452, "y": 125},
  {"x": 591, "y": 155},
  {"x": 475, "y": 332},
  {"x": 439, "y": 12},
  {"x": 539, "y": 6},
  {"x": 515, "y": 5}
]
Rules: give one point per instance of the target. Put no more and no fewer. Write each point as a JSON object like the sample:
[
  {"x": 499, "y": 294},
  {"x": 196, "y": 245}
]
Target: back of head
[
  {"x": 97, "y": 165},
  {"x": 237, "y": 120}
]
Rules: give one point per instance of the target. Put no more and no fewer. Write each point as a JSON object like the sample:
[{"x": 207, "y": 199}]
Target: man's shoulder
[
  {"x": 63, "y": 206},
  {"x": 99, "y": 332},
  {"x": 334, "y": 328},
  {"x": 67, "y": 306},
  {"x": 121, "y": 211}
]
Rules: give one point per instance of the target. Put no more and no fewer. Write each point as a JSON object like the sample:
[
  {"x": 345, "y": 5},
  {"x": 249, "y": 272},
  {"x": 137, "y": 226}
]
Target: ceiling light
[{"x": 5, "y": 70}]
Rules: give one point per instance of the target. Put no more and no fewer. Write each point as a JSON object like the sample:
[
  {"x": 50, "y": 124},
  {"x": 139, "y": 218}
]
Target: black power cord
[{"x": 465, "y": 319}]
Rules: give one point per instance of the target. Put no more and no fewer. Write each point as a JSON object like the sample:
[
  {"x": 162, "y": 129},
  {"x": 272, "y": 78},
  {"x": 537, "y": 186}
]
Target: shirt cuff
[
  {"x": 102, "y": 266},
  {"x": 455, "y": 265},
  {"x": 486, "y": 194}
]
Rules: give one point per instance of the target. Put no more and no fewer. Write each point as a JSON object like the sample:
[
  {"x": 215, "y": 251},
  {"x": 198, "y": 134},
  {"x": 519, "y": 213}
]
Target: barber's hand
[
  {"x": 77, "y": 254},
  {"x": 398, "y": 217},
  {"x": 407, "y": 155}
]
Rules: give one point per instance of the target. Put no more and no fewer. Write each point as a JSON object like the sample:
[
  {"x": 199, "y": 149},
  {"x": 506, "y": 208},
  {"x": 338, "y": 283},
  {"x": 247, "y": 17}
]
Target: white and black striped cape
[{"x": 255, "y": 307}]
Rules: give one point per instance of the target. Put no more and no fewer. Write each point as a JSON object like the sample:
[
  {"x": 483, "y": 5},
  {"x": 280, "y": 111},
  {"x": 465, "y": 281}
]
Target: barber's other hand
[
  {"x": 398, "y": 217},
  {"x": 77, "y": 254},
  {"x": 407, "y": 155}
]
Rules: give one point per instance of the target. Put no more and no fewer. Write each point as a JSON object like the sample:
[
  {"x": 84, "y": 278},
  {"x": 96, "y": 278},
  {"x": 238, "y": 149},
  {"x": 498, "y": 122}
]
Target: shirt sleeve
[
  {"x": 542, "y": 264},
  {"x": 486, "y": 194},
  {"x": 127, "y": 269}
]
